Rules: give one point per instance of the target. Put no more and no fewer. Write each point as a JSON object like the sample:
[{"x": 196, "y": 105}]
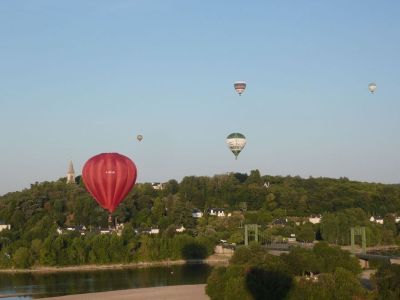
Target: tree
[
  {"x": 334, "y": 257},
  {"x": 305, "y": 233},
  {"x": 48, "y": 255},
  {"x": 22, "y": 258},
  {"x": 261, "y": 282},
  {"x": 216, "y": 284},
  {"x": 302, "y": 261},
  {"x": 387, "y": 280}
]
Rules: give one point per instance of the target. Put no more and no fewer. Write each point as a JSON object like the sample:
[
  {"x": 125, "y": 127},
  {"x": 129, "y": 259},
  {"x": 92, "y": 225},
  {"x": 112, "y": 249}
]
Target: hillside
[{"x": 35, "y": 214}]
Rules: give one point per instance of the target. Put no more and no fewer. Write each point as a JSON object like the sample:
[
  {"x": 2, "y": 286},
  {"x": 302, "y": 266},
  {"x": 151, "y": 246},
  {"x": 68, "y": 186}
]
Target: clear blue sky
[{"x": 79, "y": 78}]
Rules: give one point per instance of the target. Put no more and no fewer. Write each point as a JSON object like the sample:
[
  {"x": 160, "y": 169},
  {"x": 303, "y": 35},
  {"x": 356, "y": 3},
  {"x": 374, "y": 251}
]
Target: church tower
[{"x": 71, "y": 173}]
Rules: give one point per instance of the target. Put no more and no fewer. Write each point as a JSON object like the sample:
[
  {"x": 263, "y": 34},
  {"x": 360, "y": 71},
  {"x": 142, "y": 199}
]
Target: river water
[{"x": 37, "y": 285}]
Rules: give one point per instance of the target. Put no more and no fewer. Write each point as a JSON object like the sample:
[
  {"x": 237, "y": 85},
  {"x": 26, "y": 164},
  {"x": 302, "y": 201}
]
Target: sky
[{"x": 78, "y": 78}]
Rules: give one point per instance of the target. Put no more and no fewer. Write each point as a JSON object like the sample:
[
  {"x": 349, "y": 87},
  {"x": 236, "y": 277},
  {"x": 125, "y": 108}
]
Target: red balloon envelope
[{"x": 109, "y": 177}]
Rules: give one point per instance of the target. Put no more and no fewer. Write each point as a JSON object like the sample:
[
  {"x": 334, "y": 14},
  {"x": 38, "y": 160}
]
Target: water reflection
[{"x": 38, "y": 285}]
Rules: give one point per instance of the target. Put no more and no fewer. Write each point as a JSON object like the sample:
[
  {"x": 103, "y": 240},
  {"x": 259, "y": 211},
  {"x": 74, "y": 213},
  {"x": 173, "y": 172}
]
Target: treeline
[
  {"x": 35, "y": 213},
  {"x": 321, "y": 273},
  {"x": 74, "y": 249}
]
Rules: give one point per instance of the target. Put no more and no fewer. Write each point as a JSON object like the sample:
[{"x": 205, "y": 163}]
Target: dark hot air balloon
[
  {"x": 239, "y": 86},
  {"x": 109, "y": 177}
]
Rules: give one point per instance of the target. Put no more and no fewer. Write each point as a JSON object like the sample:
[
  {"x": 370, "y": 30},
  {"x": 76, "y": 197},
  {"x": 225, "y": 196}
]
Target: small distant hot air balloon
[
  {"x": 139, "y": 137},
  {"x": 239, "y": 86},
  {"x": 372, "y": 87},
  {"x": 109, "y": 177},
  {"x": 236, "y": 142}
]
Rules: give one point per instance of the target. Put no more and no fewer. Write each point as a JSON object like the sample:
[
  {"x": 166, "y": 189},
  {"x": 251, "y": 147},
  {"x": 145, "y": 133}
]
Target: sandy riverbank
[
  {"x": 212, "y": 260},
  {"x": 177, "y": 292}
]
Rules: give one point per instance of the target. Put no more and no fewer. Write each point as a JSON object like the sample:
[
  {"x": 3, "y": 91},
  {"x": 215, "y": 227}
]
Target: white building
[
  {"x": 378, "y": 220},
  {"x": 292, "y": 238},
  {"x": 70, "y": 173},
  {"x": 196, "y": 213},
  {"x": 157, "y": 185},
  {"x": 154, "y": 231},
  {"x": 180, "y": 229},
  {"x": 4, "y": 227},
  {"x": 314, "y": 219},
  {"x": 219, "y": 212}
]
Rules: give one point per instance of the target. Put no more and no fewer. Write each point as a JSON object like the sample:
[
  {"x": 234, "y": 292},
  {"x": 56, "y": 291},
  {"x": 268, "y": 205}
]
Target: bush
[
  {"x": 387, "y": 281},
  {"x": 194, "y": 251},
  {"x": 273, "y": 284},
  {"x": 22, "y": 258},
  {"x": 216, "y": 284}
]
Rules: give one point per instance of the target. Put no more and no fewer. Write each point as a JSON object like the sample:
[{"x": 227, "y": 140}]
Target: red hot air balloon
[{"x": 109, "y": 177}]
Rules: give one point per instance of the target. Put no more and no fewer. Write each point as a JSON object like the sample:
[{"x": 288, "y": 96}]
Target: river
[{"x": 37, "y": 285}]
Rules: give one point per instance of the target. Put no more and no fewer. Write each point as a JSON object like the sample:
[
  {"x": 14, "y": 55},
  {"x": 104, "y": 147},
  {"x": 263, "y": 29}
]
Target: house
[
  {"x": 4, "y": 226},
  {"x": 147, "y": 231},
  {"x": 219, "y": 212},
  {"x": 180, "y": 229},
  {"x": 292, "y": 238},
  {"x": 157, "y": 185},
  {"x": 378, "y": 219},
  {"x": 196, "y": 213},
  {"x": 314, "y": 219},
  {"x": 154, "y": 231}
]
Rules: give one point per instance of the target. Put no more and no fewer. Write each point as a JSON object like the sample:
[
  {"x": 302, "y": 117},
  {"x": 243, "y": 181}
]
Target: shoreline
[
  {"x": 212, "y": 260},
  {"x": 172, "y": 292}
]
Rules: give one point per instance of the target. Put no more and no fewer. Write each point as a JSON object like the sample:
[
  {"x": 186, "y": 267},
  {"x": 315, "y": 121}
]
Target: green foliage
[
  {"x": 215, "y": 283},
  {"x": 194, "y": 251},
  {"x": 22, "y": 258},
  {"x": 261, "y": 282},
  {"x": 302, "y": 261},
  {"x": 387, "y": 281},
  {"x": 227, "y": 284},
  {"x": 334, "y": 257},
  {"x": 339, "y": 285},
  {"x": 35, "y": 214},
  {"x": 253, "y": 273},
  {"x": 305, "y": 233}
]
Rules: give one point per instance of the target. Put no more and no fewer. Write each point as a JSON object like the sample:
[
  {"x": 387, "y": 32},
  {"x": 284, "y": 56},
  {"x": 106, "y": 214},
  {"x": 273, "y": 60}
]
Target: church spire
[{"x": 70, "y": 173}]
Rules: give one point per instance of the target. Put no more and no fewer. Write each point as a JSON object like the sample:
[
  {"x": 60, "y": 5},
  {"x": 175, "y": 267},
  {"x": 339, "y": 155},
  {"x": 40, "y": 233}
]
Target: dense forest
[
  {"x": 36, "y": 213},
  {"x": 323, "y": 272}
]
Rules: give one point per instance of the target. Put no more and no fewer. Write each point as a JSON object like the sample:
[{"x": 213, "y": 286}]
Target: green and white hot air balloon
[
  {"x": 236, "y": 142},
  {"x": 139, "y": 137}
]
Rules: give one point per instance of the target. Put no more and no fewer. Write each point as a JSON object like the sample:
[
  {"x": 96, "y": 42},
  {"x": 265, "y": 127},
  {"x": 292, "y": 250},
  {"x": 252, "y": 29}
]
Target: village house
[
  {"x": 378, "y": 219},
  {"x": 157, "y": 186},
  {"x": 4, "y": 226},
  {"x": 197, "y": 213},
  {"x": 314, "y": 219},
  {"x": 219, "y": 212},
  {"x": 180, "y": 229}
]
